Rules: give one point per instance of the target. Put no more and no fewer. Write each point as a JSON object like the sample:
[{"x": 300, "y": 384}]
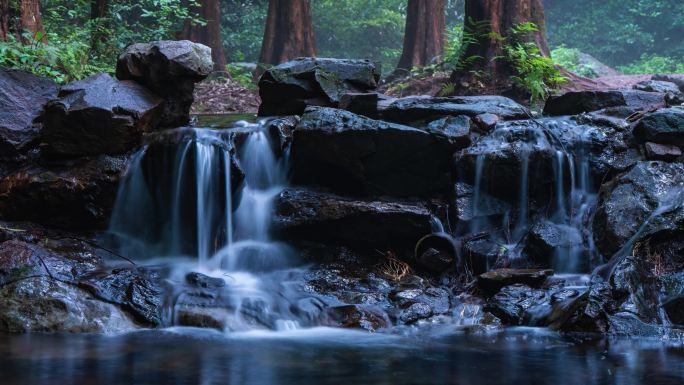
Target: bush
[
  {"x": 570, "y": 59},
  {"x": 653, "y": 65}
]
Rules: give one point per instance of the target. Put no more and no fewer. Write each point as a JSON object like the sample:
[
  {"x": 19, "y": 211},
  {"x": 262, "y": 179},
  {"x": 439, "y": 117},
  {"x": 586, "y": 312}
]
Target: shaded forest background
[{"x": 632, "y": 36}]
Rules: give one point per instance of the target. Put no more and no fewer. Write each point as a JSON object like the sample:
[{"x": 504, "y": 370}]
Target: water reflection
[{"x": 325, "y": 356}]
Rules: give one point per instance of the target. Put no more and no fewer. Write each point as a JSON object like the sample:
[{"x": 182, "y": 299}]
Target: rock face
[
  {"x": 353, "y": 154},
  {"x": 170, "y": 69},
  {"x": 664, "y": 126},
  {"x": 74, "y": 195},
  {"x": 289, "y": 88},
  {"x": 304, "y": 214},
  {"x": 99, "y": 115},
  {"x": 649, "y": 189},
  {"x": 423, "y": 108},
  {"x": 22, "y": 96},
  {"x": 577, "y": 102},
  {"x": 546, "y": 239}
]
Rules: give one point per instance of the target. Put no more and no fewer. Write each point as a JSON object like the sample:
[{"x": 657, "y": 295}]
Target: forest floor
[{"x": 225, "y": 96}]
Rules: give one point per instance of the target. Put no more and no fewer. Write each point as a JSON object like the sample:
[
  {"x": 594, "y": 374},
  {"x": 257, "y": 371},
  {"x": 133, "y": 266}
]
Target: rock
[
  {"x": 203, "y": 281},
  {"x": 369, "y": 318},
  {"x": 99, "y": 115},
  {"x": 488, "y": 207},
  {"x": 672, "y": 285},
  {"x": 415, "y": 312},
  {"x": 493, "y": 280},
  {"x": 436, "y": 253},
  {"x": 357, "y": 155},
  {"x": 480, "y": 253},
  {"x": 137, "y": 290},
  {"x": 425, "y": 108},
  {"x": 304, "y": 214},
  {"x": 454, "y": 129},
  {"x": 289, "y": 88},
  {"x": 170, "y": 69},
  {"x": 22, "y": 96},
  {"x": 657, "y": 86},
  {"x": 663, "y": 126},
  {"x": 75, "y": 195},
  {"x": 628, "y": 201},
  {"x": 365, "y": 104},
  {"x": 577, "y": 102},
  {"x": 664, "y": 152},
  {"x": 202, "y": 317},
  {"x": 280, "y": 130},
  {"x": 486, "y": 122},
  {"x": 520, "y": 305},
  {"x": 547, "y": 240},
  {"x": 676, "y": 79},
  {"x": 43, "y": 304}
]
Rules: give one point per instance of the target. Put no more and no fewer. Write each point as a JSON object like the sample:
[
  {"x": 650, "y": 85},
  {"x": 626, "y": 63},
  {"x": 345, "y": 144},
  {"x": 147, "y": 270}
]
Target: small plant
[
  {"x": 654, "y": 65},
  {"x": 241, "y": 75},
  {"x": 447, "y": 89},
  {"x": 392, "y": 268}
]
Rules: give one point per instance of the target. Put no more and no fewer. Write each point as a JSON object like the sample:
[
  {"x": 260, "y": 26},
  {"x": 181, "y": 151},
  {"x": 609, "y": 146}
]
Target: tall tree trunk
[
  {"x": 29, "y": 18},
  {"x": 4, "y": 19},
  {"x": 424, "y": 34},
  {"x": 209, "y": 34},
  {"x": 500, "y": 16},
  {"x": 99, "y": 13},
  {"x": 289, "y": 32}
]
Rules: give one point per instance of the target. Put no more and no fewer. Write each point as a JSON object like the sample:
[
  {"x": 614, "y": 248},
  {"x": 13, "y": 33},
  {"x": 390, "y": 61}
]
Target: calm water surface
[{"x": 324, "y": 356}]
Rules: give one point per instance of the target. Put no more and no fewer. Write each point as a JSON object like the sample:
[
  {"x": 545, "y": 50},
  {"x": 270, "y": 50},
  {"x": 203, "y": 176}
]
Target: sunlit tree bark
[
  {"x": 424, "y": 34},
  {"x": 289, "y": 32}
]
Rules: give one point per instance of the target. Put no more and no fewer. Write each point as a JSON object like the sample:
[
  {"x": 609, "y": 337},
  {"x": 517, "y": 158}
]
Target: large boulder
[
  {"x": 99, "y": 115},
  {"x": 22, "y": 96},
  {"x": 353, "y": 154},
  {"x": 647, "y": 199},
  {"x": 664, "y": 126},
  {"x": 74, "y": 195},
  {"x": 424, "y": 108},
  {"x": 170, "y": 69},
  {"x": 577, "y": 102},
  {"x": 289, "y": 88},
  {"x": 310, "y": 215}
]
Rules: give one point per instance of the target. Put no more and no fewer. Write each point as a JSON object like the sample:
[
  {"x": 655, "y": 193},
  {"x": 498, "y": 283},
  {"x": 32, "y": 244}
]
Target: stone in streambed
[
  {"x": 545, "y": 239},
  {"x": 99, "y": 115},
  {"x": 663, "y": 126},
  {"x": 492, "y": 281},
  {"x": 369, "y": 318},
  {"x": 455, "y": 129},
  {"x": 417, "y": 108},
  {"x": 665, "y": 152},
  {"x": 577, "y": 102},
  {"x": 353, "y": 154},
  {"x": 170, "y": 69}
]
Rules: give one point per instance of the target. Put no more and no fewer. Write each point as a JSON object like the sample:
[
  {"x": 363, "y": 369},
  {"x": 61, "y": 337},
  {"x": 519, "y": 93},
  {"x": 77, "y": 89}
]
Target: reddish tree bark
[
  {"x": 424, "y": 33},
  {"x": 500, "y": 16},
  {"x": 4, "y": 19},
  {"x": 19, "y": 17},
  {"x": 209, "y": 34},
  {"x": 289, "y": 32}
]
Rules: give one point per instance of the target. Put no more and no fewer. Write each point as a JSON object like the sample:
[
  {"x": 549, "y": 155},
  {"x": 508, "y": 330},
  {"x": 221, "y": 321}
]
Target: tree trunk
[
  {"x": 30, "y": 20},
  {"x": 209, "y": 34},
  {"x": 99, "y": 13},
  {"x": 499, "y": 17},
  {"x": 289, "y": 32},
  {"x": 4, "y": 19},
  {"x": 424, "y": 34}
]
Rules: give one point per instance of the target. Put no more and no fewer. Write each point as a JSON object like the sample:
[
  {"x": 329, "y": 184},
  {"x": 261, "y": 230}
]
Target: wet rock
[
  {"x": 676, "y": 79},
  {"x": 369, "y": 318},
  {"x": 590, "y": 310},
  {"x": 486, "y": 122},
  {"x": 436, "y": 253},
  {"x": 577, "y": 102},
  {"x": 203, "y": 281},
  {"x": 137, "y": 290},
  {"x": 202, "y": 317},
  {"x": 75, "y": 195},
  {"x": 663, "y": 126},
  {"x": 417, "y": 108},
  {"x": 493, "y": 280},
  {"x": 663, "y": 152},
  {"x": 481, "y": 253},
  {"x": 289, "y": 88},
  {"x": 546, "y": 240},
  {"x": 628, "y": 325},
  {"x": 43, "y": 304},
  {"x": 353, "y": 154},
  {"x": 22, "y": 96},
  {"x": 98, "y": 115},
  {"x": 672, "y": 285},
  {"x": 415, "y": 312},
  {"x": 657, "y": 86},
  {"x": 436, "y": 299},
  {"x": 311, "y": 215},
  {"x": 365, "y": 104},
  {"x": 170, "y": 69},
  {"x": 628, "y": 201},
  {"x": 520, "y": 305},
  {"x": 454, "y": 129},
  {"x": 280, "y": 129},
  {"x": 488, "y": 207}
]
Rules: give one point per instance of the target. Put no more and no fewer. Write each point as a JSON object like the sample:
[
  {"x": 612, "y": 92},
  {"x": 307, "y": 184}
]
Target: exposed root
[{"x": 392, "y": 268}]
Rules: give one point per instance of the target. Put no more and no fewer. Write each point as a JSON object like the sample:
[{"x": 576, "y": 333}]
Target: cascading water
[{"x": 192, "y": 206}]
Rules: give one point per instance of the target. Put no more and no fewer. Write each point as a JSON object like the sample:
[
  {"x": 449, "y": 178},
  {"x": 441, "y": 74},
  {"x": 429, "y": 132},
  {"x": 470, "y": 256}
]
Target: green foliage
[
  {"x": 241, "y": 75},
  {"x": 535, "y": 72},
  {"x": 242, "y": 28},
  {"x": 570, "y": 59},
  {"x": 654, "y": 65}
]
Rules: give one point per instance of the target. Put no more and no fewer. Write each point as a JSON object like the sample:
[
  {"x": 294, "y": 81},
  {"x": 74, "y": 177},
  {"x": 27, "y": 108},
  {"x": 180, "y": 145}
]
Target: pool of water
[
  {"x": 327, "y": 356},
  {"x": 222, "y": 120}
]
